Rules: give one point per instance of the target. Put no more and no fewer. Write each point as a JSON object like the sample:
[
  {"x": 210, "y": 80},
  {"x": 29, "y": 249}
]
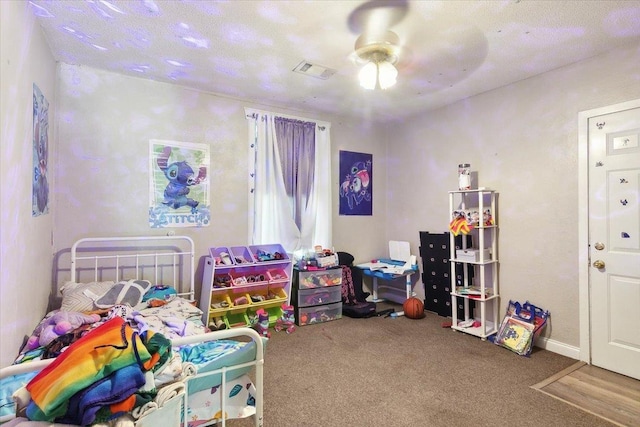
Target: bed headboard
[{"x": 162, "y": 260}]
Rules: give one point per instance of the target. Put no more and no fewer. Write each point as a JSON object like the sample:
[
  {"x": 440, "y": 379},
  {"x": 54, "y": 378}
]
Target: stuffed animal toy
[{"x": 58, "y": 324}]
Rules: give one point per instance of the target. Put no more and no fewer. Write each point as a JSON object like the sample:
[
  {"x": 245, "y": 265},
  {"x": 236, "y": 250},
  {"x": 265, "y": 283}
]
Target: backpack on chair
[{"x": 354, "y": 300}]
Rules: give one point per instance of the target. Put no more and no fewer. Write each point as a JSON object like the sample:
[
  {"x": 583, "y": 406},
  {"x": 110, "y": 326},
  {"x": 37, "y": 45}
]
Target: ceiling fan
[{"x": 377, "y": 48}]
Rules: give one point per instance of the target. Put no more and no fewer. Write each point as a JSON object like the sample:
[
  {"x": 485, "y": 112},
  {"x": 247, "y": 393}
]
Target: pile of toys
[
  {"x": 286, "y": 322},
  {"x": 319, "y": 259}
]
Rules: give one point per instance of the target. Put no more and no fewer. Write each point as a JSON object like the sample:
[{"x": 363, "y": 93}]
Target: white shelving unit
[{"x": 479, "y": 209}]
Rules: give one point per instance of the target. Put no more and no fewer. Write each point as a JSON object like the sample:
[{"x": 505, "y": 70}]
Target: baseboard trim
[{"x": 559, "y": 348}]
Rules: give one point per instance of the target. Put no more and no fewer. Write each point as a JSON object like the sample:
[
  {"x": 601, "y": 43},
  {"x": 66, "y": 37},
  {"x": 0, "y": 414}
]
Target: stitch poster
[
  {"x": 356, "y": 183},
  {"x": 178, "y": 184},
  {"x": 40, "y": 187}
]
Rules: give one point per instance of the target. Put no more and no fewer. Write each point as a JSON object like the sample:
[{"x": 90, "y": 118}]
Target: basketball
[{"x": 413, "y": 308}]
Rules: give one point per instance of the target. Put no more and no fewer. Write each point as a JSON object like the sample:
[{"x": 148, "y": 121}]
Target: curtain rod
[{"x": 252, "y": 113}]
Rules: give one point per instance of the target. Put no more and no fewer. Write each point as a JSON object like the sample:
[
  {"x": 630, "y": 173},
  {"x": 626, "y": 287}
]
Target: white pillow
[{"x": 74, "y": 297}]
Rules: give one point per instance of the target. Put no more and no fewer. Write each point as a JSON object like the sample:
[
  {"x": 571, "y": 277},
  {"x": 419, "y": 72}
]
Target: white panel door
[{"x": 614, "y": 241}]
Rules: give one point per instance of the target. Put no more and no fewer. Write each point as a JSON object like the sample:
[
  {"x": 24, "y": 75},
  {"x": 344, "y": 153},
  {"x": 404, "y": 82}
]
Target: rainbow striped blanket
[{"x": 111, "y": 346}]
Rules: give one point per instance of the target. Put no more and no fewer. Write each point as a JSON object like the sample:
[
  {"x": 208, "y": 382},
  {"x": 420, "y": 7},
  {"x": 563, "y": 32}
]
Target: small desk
[{"x": 387, "y": 269}]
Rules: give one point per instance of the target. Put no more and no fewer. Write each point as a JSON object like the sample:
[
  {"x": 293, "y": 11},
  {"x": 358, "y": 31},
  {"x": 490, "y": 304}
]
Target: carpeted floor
[{"x": 402, "y": 372}]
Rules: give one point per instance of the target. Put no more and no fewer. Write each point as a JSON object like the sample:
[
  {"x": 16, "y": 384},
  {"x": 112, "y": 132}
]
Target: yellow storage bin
[{"x": 220, "y": 303}]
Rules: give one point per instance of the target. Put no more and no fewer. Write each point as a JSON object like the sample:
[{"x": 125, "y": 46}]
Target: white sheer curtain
[{"x": 270, "y": 216}]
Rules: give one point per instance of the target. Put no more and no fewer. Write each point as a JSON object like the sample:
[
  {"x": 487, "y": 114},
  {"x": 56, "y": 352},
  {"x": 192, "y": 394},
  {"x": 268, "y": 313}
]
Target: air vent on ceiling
[{"x": 313, "y": 70}]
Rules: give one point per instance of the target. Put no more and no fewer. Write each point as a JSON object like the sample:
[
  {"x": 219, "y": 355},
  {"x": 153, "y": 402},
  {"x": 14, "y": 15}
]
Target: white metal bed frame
[{"x": 158, "y": 253}]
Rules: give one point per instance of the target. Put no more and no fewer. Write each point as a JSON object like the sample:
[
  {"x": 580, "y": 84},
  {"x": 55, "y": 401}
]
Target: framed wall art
[
  {"x": 40, "y": 187},
  {"x": 178, "y": 184},
  {"x": 356, "y": 183}
]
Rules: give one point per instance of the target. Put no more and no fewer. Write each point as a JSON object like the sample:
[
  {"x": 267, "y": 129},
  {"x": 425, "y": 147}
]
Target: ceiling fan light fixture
[
  {"x": 380, "y": 75},
  {"x": 380, "y": 55},
  {"x": 387, "y": 74},
  {"x": 369, "y": 75}
]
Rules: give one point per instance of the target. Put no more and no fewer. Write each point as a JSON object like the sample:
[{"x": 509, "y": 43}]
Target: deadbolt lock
[
  {"x": 599, "y": 264},
  {"x": 599, "y": 246}
]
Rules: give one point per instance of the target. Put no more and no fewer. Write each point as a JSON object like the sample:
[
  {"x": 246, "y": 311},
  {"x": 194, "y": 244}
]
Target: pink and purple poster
[{"x": 356, "y": 183}]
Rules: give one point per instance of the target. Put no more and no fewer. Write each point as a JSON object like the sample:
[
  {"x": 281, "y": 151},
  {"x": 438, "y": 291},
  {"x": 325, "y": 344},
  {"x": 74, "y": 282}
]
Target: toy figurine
[
  {"x": 287, "y": 320},
  {"x": 262, "y": 323}
]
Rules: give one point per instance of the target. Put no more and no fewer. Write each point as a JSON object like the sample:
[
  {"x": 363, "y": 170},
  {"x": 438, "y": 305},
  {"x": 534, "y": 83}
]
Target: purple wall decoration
[{"x": 356, "y": 183}]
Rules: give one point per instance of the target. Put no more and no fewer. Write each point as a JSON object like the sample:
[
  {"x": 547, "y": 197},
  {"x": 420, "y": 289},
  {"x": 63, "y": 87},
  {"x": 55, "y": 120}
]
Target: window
[{"x": 289, "y": 181}]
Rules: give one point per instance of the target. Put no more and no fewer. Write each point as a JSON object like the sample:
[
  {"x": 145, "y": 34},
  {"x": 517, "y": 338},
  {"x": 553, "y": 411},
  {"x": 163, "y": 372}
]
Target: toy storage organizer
[
  {"x": 317, "y": 295},
  {"x": 240, "y": 280}
]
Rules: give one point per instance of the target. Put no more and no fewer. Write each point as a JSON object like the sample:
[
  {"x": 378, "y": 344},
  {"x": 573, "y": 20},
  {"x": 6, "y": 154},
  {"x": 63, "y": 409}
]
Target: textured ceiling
[{"x": 248, "y": 49}]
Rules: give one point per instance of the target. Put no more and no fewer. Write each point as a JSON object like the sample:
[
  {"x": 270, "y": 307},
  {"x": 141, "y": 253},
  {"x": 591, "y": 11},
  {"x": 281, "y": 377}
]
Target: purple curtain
[{"x": 296, "y": 146}]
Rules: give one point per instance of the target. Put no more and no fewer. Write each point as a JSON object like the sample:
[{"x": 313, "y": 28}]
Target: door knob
[{"x": 599, "y": 264}]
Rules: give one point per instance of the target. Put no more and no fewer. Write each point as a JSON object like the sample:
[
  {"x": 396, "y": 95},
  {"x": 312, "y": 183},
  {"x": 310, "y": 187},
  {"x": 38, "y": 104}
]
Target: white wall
[
  {"x": 522, "y": 139},
  {"x": 26, "y": 257},
  {"x": 106, "y": 122}
]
